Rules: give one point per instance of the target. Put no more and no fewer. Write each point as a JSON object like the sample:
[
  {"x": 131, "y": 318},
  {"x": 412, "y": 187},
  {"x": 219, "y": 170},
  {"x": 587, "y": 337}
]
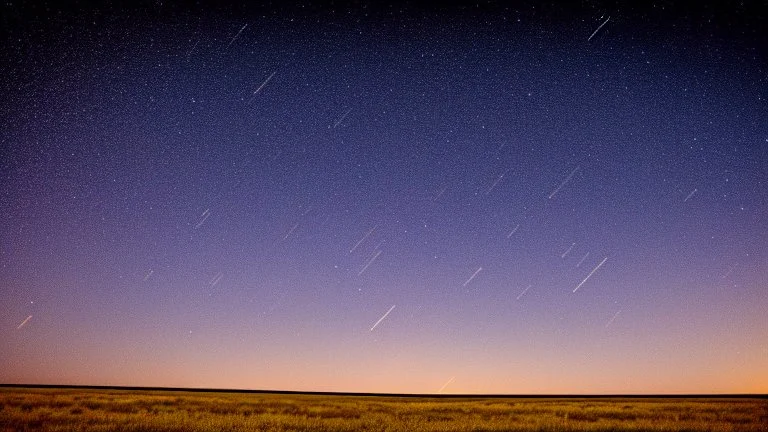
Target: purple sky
[{"x": 527, "y": 199}]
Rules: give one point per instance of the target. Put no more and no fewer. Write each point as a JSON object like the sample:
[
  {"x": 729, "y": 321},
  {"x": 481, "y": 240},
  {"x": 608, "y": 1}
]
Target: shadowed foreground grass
[{"x": 129, "y": 411}]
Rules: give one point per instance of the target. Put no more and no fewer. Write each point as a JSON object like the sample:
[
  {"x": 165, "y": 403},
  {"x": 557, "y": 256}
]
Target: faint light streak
[
  {"x": 382, "y": 318},
  {"x": 193, "y": 49},
  {"x": 439, "y": 194},
  {"x": 524, "y": 291},
  {"x": 370, "y": 261},
  {"x": 341, "y": 119},
  {"x": 379, "y": 245},
  {"x": 496, "y": 182},
  {"x": 473, "y": 276},
  {"x": 598, "y": 29},
  {"x": 513, "y": 231},
  {"x": 26, "y": 320},
  {"x": 264, "y": 83},
  {"x": 557, "y": 189},
  {"x": 590, "y": 274},
  {"x": 236, "y": 36},
  {"x": 613, "y": 318},
  {"x": 446, "y": 384},
  {"x": 216, "y": 279},
  {"x": 568, "y": 250},
  {"x": 293, "y": 228},
  {"x": 148, "y": 275},
  {"x": 582, "y": 259},
  {"x": 690, "y": 195},
  {"x": 204, "y": 216},
  {"x": 362, "y": 239}
]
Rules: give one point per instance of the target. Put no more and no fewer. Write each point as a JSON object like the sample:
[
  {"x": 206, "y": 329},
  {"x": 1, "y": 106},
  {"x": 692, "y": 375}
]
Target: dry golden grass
[{"x": 133, "y": 411}]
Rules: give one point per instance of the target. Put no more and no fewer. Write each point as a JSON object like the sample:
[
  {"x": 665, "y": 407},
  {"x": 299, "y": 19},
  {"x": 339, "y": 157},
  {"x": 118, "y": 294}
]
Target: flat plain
[{"x": 67, "y": 409}]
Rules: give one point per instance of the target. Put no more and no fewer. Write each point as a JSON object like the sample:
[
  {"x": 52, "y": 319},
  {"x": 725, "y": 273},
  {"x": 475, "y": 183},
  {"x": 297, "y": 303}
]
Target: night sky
[{"x": 386, "y": 198}]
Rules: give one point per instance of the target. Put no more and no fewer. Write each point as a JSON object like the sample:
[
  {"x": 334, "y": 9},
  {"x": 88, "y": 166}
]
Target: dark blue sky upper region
[{"x": 386, "y": 198}]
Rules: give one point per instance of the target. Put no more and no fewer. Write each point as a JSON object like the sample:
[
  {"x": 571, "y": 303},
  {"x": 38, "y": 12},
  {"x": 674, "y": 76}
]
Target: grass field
[{"x": 26, "y": 409}]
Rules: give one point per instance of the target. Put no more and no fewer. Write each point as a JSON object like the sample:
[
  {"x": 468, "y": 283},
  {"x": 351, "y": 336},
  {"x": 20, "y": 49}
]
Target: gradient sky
[{"x": 539, "y": 199}]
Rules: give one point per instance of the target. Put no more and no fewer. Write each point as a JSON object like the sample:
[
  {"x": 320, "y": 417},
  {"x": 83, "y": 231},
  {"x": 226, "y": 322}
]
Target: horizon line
[{"x": 401, "y": 395}]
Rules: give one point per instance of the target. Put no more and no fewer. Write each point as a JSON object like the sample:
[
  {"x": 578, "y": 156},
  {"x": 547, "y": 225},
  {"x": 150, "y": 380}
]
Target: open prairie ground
[{"x": 50, "y": 409}]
